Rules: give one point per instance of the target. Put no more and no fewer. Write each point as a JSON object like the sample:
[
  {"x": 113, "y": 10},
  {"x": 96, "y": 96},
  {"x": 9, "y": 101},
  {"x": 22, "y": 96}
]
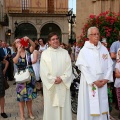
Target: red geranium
[{"x": 108, "y": 24}]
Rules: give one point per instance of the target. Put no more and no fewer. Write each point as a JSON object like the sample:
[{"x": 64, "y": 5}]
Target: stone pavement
[{"x": 12, "y": 109}]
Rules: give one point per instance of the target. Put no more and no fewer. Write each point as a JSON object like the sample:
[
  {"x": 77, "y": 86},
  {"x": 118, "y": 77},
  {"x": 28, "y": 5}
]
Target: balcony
[{"x": 33, "y": 11}]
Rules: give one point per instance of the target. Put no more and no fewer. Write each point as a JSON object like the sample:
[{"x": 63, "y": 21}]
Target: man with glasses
[{"x": 96, "y": 70}]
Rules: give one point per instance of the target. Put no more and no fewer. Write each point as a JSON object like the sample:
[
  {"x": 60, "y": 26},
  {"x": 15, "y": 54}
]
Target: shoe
[
  {"x": 116, "y": 107},
  {"x": 4, "y": 115},
  {"x": 119, "y": 116},
  {"x": 22, "y": 119},
  {"x": 14, "y": 83},
  {"x": 32, "y": 117}
]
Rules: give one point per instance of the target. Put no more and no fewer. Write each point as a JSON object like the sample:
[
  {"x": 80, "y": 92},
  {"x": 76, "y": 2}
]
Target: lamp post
[
  {"x": 71, "y": 20},
  {"x": 16, "y": 25},
  {"x": 8, "y": 34}
]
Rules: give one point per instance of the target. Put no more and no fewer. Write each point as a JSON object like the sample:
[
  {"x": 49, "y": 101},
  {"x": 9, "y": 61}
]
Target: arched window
[
  {"x": 26, "y": 29},
  {"x": 48, "y": 28}
]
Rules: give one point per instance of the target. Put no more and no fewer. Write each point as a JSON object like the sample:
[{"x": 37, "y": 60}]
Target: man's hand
[
  {"x": 5, "y": 57},
  {"x": 26, "y": 38},
  {"x": 4, "y": 71},
  {"x": 99, "y": 83},
  {"x": 118, "y": 60},
  {"x": 104, "y": 81},
  {"x": 58, "y": 80}
]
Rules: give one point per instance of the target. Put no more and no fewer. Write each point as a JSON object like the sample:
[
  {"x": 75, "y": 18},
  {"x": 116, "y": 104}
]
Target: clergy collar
[
  {"x": 53, "y": 49},
  {"x": 92, "y": 46}
]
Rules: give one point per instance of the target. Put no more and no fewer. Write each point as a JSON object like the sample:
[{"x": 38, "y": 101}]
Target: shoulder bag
[{"x": 23, "y": 75}]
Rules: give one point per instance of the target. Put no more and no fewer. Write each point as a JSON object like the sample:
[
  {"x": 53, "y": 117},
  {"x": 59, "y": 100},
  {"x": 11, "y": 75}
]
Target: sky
[{"x": 72, "y": 4}]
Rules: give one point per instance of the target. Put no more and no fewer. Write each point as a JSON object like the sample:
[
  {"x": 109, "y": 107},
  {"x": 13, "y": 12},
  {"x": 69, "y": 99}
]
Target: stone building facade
[
  {"x": 37, "y": 18},
  {"x": 2, "y": 20},
  {"x": 87, "y": 7}
]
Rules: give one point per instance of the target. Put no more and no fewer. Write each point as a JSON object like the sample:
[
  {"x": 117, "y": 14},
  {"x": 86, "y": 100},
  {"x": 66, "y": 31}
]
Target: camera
[{"x": 24, "y": 42}]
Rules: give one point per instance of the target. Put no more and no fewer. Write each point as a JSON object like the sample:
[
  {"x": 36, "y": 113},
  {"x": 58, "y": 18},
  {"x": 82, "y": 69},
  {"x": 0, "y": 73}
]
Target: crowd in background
[{"x": 9, "y": 57}]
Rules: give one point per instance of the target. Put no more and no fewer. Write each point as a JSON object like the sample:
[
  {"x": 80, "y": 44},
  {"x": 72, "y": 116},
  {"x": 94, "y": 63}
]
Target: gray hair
[{"x": 89, "y": 30}]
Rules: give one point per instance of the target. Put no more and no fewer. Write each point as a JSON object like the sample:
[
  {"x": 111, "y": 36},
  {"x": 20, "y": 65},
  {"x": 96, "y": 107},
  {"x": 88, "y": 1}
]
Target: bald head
[{"x": 3, "y": 44}]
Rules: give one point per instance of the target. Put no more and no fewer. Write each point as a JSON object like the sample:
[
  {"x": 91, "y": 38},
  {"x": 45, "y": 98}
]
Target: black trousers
[
  {"x": 2, "y": 86},
  {"x": 10, "y": 70}
]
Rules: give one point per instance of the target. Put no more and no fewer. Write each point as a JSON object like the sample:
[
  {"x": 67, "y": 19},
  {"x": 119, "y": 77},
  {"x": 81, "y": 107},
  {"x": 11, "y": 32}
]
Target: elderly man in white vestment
[
  {"x": 56, "y": 75},
  {"x": 96, "y": 70}
]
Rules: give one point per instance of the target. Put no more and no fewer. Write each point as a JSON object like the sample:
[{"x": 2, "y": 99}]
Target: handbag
[{"x": 23, "y": 75}]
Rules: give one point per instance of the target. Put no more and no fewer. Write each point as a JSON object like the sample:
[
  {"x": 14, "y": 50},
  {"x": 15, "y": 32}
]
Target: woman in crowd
[
  {"x": 26, "y": 91},
  {"x": 62, "y": 45},
  {"x": 77, "y": 50},
  {"x": 2, "y": 85},
  {"x": 43, "y": 45},
  {"x": 35, "y": 57}
]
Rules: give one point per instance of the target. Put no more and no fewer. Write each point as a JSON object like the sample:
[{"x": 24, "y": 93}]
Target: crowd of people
[{"x": 50, "y": 67}]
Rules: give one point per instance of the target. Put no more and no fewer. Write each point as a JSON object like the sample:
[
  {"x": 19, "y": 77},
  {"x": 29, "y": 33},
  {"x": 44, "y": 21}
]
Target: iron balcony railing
[{"x": 36, "y": 10}]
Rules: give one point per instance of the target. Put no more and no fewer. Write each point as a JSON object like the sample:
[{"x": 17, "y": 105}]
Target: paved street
[{"x": 12, "y": 109}]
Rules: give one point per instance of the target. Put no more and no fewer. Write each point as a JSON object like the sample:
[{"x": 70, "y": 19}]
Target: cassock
[
  {"x": 57, "y": 102},
  {"x": 95, "y": 64}
]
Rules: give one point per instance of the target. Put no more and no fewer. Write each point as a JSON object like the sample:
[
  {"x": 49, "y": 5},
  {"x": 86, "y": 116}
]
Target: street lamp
[
  {"x": 16, "y": 26},
  {"x": 71, "y": 20},
  {"x": 8, "y": 34}
]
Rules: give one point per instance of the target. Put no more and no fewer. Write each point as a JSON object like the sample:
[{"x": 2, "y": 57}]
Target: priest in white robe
[
  {"x": 96, "y": 71},
  {"x": 56, "y": 75}
]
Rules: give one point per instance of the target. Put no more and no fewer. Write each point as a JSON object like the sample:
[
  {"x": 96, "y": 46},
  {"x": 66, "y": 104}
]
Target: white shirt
[{"x": 42, "y": 48}]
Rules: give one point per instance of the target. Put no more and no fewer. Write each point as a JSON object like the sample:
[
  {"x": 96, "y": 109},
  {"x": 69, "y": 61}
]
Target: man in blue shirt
[{"x": 113, "y": 51}]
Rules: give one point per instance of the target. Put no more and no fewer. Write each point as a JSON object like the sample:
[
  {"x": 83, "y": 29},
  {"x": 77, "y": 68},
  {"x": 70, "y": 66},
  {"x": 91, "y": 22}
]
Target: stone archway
[
  {"x": 48, "y": 28},
  {"x": 26, "y": 29}
]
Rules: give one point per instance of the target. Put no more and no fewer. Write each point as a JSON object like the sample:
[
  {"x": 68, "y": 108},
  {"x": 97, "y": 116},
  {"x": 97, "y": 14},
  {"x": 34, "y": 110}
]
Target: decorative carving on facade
[{"x": 38, "y": 21}]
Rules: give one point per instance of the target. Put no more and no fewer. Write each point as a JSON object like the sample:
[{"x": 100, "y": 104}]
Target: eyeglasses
[{"x": 98, "y": 34}]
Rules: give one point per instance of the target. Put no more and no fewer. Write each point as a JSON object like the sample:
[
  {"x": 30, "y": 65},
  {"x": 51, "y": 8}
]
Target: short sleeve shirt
[
  {"x": 115, "y": 46},
  {"x": 113, "y": 49}
]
